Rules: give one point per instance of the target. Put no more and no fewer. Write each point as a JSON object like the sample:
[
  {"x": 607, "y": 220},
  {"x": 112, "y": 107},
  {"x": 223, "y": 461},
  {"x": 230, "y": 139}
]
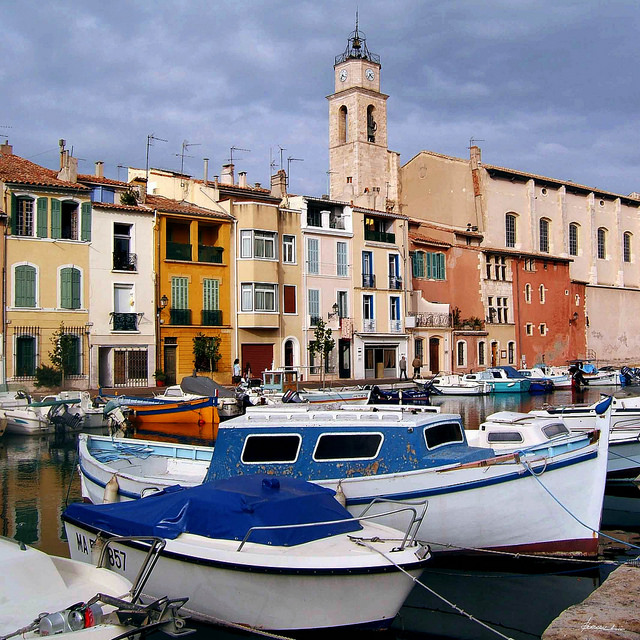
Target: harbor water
[{"x": 515, "y": 597}]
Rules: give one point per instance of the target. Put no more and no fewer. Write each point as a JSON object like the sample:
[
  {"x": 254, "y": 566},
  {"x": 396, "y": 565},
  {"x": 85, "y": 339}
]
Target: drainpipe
[
  {"x": 4, "y": 290},
  {"x": 237, "y": 288},
  {"x": 156, "y": 257}
]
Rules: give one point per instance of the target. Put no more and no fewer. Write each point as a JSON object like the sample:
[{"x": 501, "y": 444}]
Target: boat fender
[
  {"x": 201, "y": 422},
  {"x": 340, "y": 496},
  {"x": 111, "y": 490}
]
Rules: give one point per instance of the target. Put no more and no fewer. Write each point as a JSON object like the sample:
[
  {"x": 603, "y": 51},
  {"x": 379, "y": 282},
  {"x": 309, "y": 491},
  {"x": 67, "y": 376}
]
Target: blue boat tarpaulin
[{"x": 225, "y": 509}]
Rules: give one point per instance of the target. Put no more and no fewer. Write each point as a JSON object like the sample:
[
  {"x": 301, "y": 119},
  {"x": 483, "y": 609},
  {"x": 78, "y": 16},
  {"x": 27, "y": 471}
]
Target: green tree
[
  {"x": 206, "y": 352},
  {"x": 63, "y": 353},
  {"x": 322, "y": 346}
]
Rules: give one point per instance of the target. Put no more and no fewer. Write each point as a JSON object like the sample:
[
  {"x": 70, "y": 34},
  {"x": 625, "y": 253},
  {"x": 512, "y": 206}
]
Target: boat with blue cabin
[{"x": 498, "y": 381}]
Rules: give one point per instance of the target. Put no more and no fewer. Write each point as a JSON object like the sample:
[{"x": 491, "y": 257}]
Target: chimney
[
  {"x": 475, "y": 155},
  {"x": 206, "y": 171},
  {"x": 61, "y": 144},
  {"x": 69, "y": 170},
  {"x": 227, "y": 176},
  {"x": 242, "y": 179},
  {"x": 6, "y": 149},
  {"x": 279, "y": 184},
  {"x": 215, "y": 181},
  {"x": 99, "y": 169}
]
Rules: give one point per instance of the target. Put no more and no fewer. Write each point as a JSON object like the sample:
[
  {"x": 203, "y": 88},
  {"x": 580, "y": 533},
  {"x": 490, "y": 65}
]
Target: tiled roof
[
  {"x": 121, "y": 207},
  {"x": 381, "y": 214},
  {"x": 84, "y": 177},
  {"x": 21, "y": 171},
  {"x": 420, "y": 239},
  {"x": 173, "y": 206}
]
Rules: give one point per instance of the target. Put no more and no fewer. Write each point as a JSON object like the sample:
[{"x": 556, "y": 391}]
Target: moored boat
[
  {"x": 456, "y": 385},
  {"x": 558, "y": 380},
  {"x": 472, "y": 491},
  {"x": 264, "y": 552},
  {"x": 498, "y": 382}
]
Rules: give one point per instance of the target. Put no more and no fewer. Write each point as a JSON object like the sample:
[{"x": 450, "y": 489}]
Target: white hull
[
  {"x": 28, "y": 422},
  {"x": 332, "y": 582}
]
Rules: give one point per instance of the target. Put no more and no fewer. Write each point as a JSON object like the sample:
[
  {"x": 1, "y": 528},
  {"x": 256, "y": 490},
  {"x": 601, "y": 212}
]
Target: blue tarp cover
[{"x": 224, "y": 509}]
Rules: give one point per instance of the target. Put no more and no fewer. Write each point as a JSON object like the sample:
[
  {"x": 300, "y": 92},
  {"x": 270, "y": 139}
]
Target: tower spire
[{"x": 357, "y": 47}]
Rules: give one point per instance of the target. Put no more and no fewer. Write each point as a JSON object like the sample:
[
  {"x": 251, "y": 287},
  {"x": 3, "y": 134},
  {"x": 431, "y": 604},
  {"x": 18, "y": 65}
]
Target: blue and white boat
[
  {"x": 477, "y": 499},
  {"x": 262, "y": 552},
  {"x": 541, "y": 372},
  {"x": 498, "y": 381}
]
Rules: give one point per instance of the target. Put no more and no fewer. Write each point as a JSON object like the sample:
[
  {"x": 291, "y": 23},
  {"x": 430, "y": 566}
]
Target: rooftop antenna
[
  {"x": 185, "y": 146},
  {"x": 121, "y": 166},
  {"x": 329, "y": 173},
  {"x": 150, "y": 139},
  {"x": 236, "y": 149},
  {"x": 291, "y": 159},
  {"x": 472, "y": 141}
]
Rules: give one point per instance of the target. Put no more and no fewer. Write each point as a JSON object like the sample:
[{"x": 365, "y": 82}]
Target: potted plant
[{"x": 161, "y": 377}]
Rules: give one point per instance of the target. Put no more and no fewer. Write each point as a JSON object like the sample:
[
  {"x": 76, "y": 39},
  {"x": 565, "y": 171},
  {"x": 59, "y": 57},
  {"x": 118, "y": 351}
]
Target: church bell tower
[{"x": 362, "y": 169}]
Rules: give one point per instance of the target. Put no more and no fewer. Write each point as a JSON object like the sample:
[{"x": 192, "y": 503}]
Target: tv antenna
[
  {"x": 291, "y": 159},
  {"x": 232, "y": 149},
  {"x": 150, "y": 139},
  {"x": 185, "y": 147},
  {"x": 472, "y": 141}
]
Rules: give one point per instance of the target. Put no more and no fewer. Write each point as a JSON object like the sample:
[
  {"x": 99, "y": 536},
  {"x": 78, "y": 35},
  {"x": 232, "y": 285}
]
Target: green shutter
[
  {"x": 56, "y": 218},
  {"x": 85, "y": 226},
  {"x": 418, "y": 264},
  {"x": 179, "y": 293},
  {"x": 441, "y": 265},
  {"x": 75, "y": 289},
  {"x": 429, "y": 257},
  {"x": 25, "y": 286},
  {"x": 14, "y": 214},
  {"x": 210, "y": 294},
  {"x": 42, "y": 217},
  {"x": 65, "y": 288}
]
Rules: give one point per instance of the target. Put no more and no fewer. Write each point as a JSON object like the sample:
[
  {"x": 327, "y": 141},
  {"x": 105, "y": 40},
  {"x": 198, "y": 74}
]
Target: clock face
[
  {"x": 370, "y": 74},
  {"x": 343, "y": 75}
]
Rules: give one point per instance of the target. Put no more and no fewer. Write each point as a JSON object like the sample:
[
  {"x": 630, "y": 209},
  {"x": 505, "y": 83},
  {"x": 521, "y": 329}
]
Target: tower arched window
[
  {"x": 573, "y": 239},
  {"x": 510, "y": 230},
  {"x": 544, "y": 235},
  {"x": 372, "y": 126},
  {"x": 602, "y": 243},
  {"x": 626, "y": 246},
  {"x": 343, "y": 124}
]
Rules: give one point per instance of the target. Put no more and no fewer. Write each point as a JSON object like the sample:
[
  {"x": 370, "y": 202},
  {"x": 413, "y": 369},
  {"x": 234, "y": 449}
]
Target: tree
[
  {"x": 322, "y": 345},
  {"x": 206, "y": 352},
  {"x": 63, "y": 353}
]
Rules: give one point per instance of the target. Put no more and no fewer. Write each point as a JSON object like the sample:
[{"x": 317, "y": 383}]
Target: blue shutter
[
  {"x": 42, "y": 217},
  {"x": 56, "y": 218},
  {"x": 85, "y": 225}
]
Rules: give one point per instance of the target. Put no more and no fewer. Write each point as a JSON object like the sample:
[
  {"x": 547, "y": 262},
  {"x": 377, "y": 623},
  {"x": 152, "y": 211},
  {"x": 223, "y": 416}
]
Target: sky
[{"x": 543, "y": 86}]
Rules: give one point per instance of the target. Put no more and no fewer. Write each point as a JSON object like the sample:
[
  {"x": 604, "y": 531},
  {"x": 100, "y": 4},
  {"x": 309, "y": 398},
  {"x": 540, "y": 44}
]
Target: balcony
[
  {"x": 210, "y": 254},
  {"x": 395, "y": 282},
  {"x": 395, "y": 326},
  {"x": 314, "y": 218},
  {"x": 369, "y": 325},
  {"x": 314, "y": 320},
  {"x": 124, "y": 321},
  {"x": 125, "y": 261},
  {"x": 180, "y": 316},
  {"x": 368, "y": 281},
  {"x": 212, "y": 317},
  {"x": 379, "y": 236},
  {"x": 442, "y": 320},
  {"x": 178, "y": 251}
]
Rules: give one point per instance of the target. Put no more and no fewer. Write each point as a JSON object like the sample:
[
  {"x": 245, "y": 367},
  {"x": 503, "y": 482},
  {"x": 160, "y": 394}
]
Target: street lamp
[
  {"x": 335, "y": 308},
  {"x": 164, "y": 301}
]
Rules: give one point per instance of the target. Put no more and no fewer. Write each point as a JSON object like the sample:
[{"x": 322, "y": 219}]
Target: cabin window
[
  {"x": 505, "y": 436},
  {"x": 445, "y": 433},
  {"x": 556, "y": 429},
  {"x": 347, "y": 446},
  {"x": 271, "y": 449}
]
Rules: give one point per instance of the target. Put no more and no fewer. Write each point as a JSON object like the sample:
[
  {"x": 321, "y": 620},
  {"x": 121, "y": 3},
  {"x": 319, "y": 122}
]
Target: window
[
  {"x": 123, "y": 259},
  {"x": 314, "y": 306},
  {"x": 573, "y": 239},
  {"x": 348, "y": 446},
  {"x": 70, "y": 288},
  {"x": 25, "y": 356},
  {"x": 394, "y": 314},
  {"x": 626, "y": 246},
  {"x": 511, "y": 352},
  {"x": 124, "y": 317},
  {"x": 482, "y": 346},
  {"x": 446, "y": 433},
  {"x": 544, "y": 235},
  {"x": 289, "y": 295},
  {"x": 602, "y": 243},
  {"x": 502, "y": 310},
  {"x": 313, "y": 258},
  {"x": 527, "y": 293},
  {"x": 510, "y": 230},
  {"x": 259, "y": 296},
  {"x": 211, "y": 313},
  {"x": 343, "y": 309},
  {"x": 543, "y": 329},
  {"x": 418, "y": 347},
  {"x": 341, "y": 259},
  {"x": 418, "y": 264},
  {"x": 103, "y": 194},
  {"x": 66, "y": 226},
  {"x": 289, "y": 249},
  {"x": 529, "y": 264},
  {"x": 496, "y": 267},
  {"x": 73, "y": 354},
  {"x": 543, "y": 295},
  {"x": 23, "y": 217},
  {"x": 314, "y": 217},
  {"x": 368, "y": 279},
  {"x": 271, "y": 449},
  {"x": 343, "y": 124},
  {"x": 25, "y": 286},
  {"x": 461, "y": 353},
  {"x": 529, "y": 329},
  {"x": 368, "y": 313},
  {"x": 258, "y": 244},
  {"x": 180, "y": 312}
]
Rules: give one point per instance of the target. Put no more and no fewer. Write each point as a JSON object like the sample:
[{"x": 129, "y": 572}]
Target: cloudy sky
[{"x": 545, "y": 86}]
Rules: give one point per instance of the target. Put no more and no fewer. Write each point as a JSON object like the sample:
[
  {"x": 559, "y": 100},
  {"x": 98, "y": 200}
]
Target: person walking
[
  {"x": 416, "y": 364},
  {"x": 403, "y": 368}
]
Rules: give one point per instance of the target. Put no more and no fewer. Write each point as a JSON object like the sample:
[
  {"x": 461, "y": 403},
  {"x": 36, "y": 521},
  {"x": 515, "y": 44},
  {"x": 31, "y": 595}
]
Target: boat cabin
[{"x": 280, "y": 381}]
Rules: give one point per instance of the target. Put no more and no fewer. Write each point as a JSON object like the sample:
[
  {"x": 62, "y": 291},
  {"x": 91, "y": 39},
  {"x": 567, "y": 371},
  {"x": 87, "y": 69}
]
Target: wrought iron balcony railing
[
  {"x": 368, "y": 281},
  {"x": 210, "y": 254},
  {"x": 125, "y": 261},
  {"x": 178, "y": 251},
  {"x": 395, "y": 282},
  {"x": 124, "y": 321},
  {"x": 212, "y": 317},
  {"x": 180, "y": 316},
  {"x": 380, "y": 236}
]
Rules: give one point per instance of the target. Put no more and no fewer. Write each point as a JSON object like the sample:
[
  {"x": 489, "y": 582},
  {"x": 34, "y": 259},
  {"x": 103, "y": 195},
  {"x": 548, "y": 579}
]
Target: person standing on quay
[
  {"x": 236, "y": 371},
  {"x": 403, "y": 368},
  {"x": 416, "y": 364}
]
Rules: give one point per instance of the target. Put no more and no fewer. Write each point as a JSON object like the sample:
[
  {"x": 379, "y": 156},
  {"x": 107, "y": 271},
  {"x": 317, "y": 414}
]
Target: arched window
[
  {"x": 544, "y": 235},
  {"x": 573, "y": 239},
  {"x": 602, "y": 243},
  {"x": 372, "y": 126},
  {"x": 482, "y": 357},
  {"x": 461, "y": 353},
  {"x": 25, "y": 286},
  {"x": 511, "y": 352},
  {"x": 626, "y": 246},
  {"x": 542, "y": 294},
  {"x": 343, "y": 124},
  {"x": 26, "y": 356},
  {"x": 70, "y": 288},
  {"x": 510, "y": 230},
  {"x": 527, "y": 293}
]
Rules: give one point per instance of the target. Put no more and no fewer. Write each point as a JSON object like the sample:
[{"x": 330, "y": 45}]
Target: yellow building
[{"x": 46, "y": 259}]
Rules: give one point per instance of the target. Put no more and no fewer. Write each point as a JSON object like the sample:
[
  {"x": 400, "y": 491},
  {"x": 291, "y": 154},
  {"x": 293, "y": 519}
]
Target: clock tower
[{"x": 362, "y": 169}]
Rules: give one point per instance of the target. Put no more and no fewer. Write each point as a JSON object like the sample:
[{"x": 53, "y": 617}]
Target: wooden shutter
[
  {"x": 42, "y": 221},
  {"x": 25, "y": 286},
  {"x": 13, "y": 218},
  {"x": 179, "y": 293},
  {"x": 289, "y": 294},
  {"x": 210, "y": 294},
  {"x": 56, "y": 218},
  {"x": 70, "y": 288},
  {"x": 429, "y": 256},
  {"x": 314, "y": 303},
  {"x": 441, "y": 264},
  {"x": 75, "y": 289},
  {"x": 85, "y": 223}
]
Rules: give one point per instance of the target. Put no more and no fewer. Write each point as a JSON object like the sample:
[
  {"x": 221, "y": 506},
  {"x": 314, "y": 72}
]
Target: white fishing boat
[
  {"x": 13, "y": 399},
  {"x": 372, "y": 452},
  {"x": 456, "y": 385},
  {"x": 263, "y": 552},
  {"x": 43, "y": 595},
  {"x": 559, "y": 380}
]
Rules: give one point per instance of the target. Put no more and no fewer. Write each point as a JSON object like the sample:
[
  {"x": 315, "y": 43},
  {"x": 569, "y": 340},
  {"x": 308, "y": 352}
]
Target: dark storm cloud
[{"x": 548, "y": 87}]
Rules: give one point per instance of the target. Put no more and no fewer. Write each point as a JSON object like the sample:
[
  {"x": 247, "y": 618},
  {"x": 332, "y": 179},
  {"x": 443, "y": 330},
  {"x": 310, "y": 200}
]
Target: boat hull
[{"x": 292, "y": 588}]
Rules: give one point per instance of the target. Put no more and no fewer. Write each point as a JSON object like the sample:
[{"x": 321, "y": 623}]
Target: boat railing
[{"x": 417, "y": 509}]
